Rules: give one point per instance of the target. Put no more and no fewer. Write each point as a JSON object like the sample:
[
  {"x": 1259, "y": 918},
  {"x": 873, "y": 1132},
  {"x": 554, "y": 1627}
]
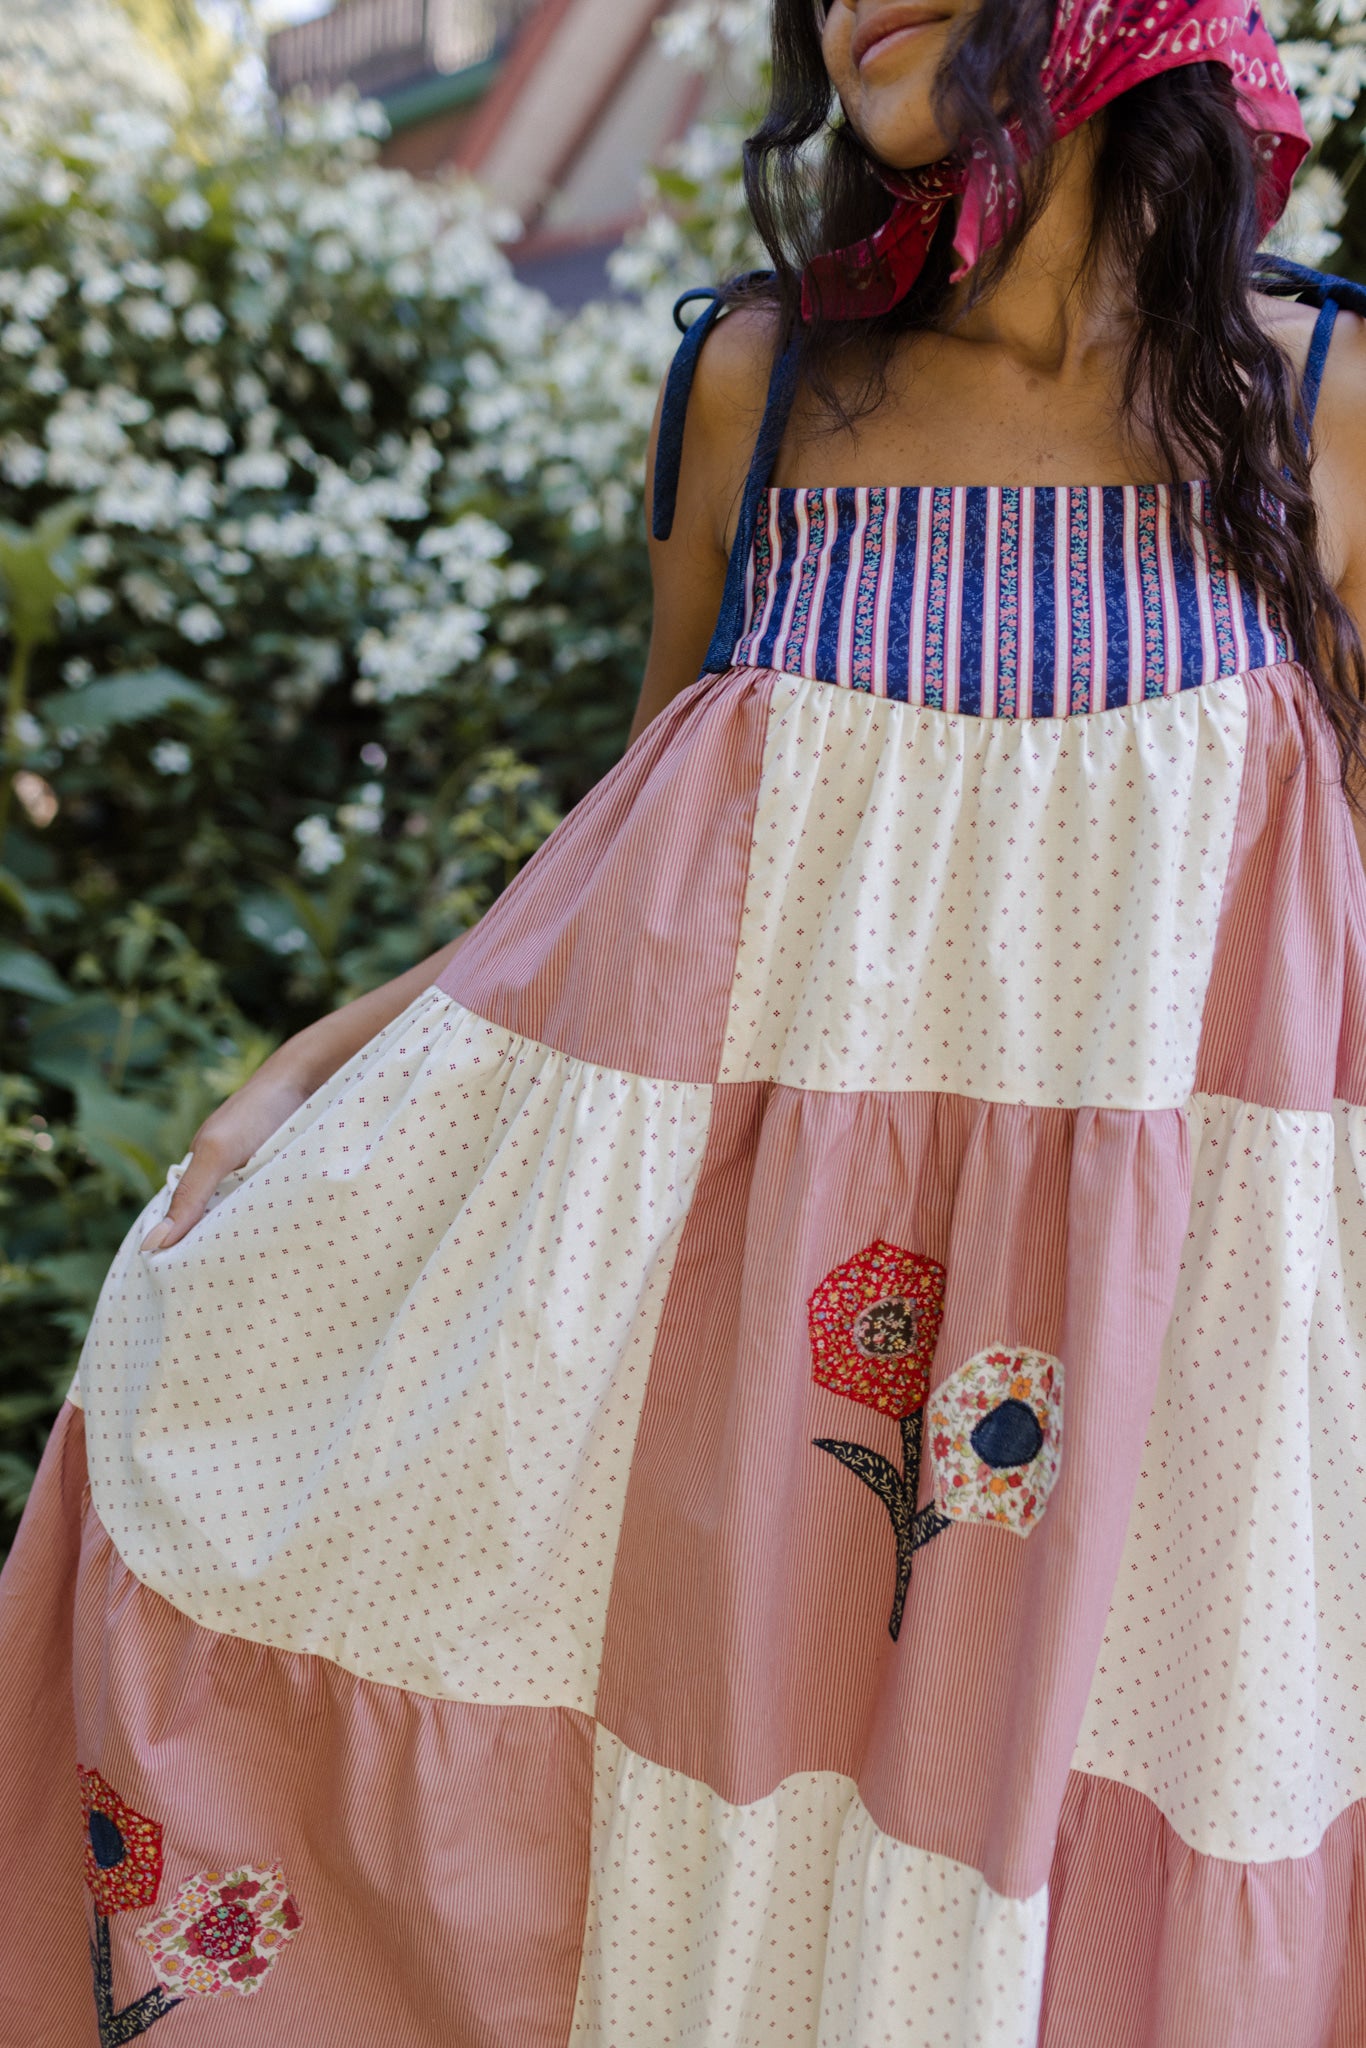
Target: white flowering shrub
[{"x": 323, "y": 590}]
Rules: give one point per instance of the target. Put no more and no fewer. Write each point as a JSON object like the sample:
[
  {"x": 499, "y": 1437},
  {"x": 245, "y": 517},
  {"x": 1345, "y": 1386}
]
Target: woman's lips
[{"x": 888, "y": 26}]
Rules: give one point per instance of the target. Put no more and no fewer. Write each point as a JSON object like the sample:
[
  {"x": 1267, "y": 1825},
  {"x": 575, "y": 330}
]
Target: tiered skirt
[{"x": 778, "y": 1460}]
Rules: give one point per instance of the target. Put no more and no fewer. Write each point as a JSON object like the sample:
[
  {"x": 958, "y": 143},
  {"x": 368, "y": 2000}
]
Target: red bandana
[{"x": 1099, "y": 49}]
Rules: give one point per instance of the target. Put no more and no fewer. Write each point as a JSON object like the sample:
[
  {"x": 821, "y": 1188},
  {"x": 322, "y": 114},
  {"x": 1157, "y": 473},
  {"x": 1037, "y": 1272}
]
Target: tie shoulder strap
[
  {"x": 782, "y": 387},
  {"x": 674, "y": 411},
  {"x": 1277, "y": 274},
  {"x": 1313, "y": 369}
]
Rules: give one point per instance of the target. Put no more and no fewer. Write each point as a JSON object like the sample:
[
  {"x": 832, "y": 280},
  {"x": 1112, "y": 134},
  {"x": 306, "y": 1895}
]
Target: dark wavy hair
[{"x": 1176, "y": 210}]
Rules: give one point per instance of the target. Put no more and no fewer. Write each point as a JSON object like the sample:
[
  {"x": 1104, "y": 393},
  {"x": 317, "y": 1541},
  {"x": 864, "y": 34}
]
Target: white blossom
[
  {"x": 366, "y": 815},
  {"x": 55, "y": 186},
  {"x": 319, "y": 846},
  {"x": 21, "y": 464},
  {"x": 199, "y": 622},
  {"x": 313, "y": 341},
  {"x": 1307, "y": 231},
  {"x": 154, "y": 497},
  {"x": 189, "y": 210},
  {"x": 20, "y": 338},
  {"x": 149, "y": 319},
  {"x": 185, "y": 428},
  {"x": 202, "y": 324},
  {"x": 424, "y": 648},
  {"x": 38, "y": 292},
  {"x": 257, "y": 469},
  {"x": 101, "y": 286},
  {"x": 171, "y": 757},
  {"x": 148, "y": 596}
]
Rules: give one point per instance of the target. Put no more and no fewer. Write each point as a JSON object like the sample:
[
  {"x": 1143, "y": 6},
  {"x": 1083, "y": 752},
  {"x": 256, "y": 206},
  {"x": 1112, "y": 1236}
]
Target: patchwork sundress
[{"x": 782, "y": 1457}]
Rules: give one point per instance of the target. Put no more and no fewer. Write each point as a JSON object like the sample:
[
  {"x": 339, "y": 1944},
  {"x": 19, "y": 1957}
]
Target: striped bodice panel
[{"x": 997, "y": 600}]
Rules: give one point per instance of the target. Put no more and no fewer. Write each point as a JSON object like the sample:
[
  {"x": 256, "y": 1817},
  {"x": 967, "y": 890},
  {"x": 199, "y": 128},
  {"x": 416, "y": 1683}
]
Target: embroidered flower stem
[
  {"x": 117, "y": 2027},
  {"x": 897, "y": 1491}
]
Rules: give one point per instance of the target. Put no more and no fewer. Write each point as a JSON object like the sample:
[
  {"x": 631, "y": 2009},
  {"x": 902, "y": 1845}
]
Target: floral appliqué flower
[
  {"x": 122, "y": 1848},
  {"x": 223, "y": 1931},
  {"x": 873, "y": 1323},
  {"x": 996, "y": 1437}
]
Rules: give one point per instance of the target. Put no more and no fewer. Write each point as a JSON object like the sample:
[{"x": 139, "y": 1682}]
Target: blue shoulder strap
[
  {"x": 668, "y": 454},
  {"x": 1313, "y": 368},
  {"x": 1313, "y": 288},
  {"x": 782, "y": 386},
  {"x": 673, "y": 412}
]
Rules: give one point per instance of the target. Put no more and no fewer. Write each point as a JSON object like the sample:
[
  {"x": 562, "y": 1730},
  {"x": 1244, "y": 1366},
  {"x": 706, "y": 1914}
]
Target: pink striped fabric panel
[
  {"x": 45, "y": 1997},
  {"x": 604, "y": 951},
  {"x": 747, "y": 1632},
  {"x": 437, "y": 1851},
  {"x": 1151, "y": 1943},
  {"x": 1293, "y": 923}
]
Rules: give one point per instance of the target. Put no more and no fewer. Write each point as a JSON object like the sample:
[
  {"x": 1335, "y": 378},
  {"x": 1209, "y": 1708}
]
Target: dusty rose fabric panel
[
  {"x": 605, "y": 950},
  {"x": 1350, "y": 1084},
  {"x": 438, "y": 1852},
  {"x": 1152, "y": 1945},
  {"x": 1291, "y": 927},
  {"x": 45, "y": 1994},
  {"x": 747, "y": 1630}
]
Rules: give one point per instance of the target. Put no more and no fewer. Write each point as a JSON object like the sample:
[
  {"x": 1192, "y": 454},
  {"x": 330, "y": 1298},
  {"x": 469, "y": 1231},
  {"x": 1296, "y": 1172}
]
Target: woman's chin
[{"x": 900, "y": 144}]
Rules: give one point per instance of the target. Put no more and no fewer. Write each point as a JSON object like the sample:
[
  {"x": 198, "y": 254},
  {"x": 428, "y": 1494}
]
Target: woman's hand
[
  {"x": 240, "y": 1126},
  {"x": 224, "y": 1141}
]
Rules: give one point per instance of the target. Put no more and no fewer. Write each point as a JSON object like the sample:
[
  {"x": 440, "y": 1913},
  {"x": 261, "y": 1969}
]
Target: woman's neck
[{"x": 1055, "y": 304}]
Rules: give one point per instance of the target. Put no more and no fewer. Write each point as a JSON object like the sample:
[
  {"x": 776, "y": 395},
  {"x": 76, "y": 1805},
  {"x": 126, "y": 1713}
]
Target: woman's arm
[
  {"x": 688, "y": 570},
  {"x": 238, "y": 1127},
  {"x": 1340, "y": 488},
  {"x": 688, "y": 573}
]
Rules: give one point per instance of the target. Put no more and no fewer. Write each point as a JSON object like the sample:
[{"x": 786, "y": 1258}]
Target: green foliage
[{"x": 322, "y": 595}]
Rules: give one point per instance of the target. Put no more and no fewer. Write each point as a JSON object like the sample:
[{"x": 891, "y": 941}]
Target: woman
[{"x": 769, "y": 1450}]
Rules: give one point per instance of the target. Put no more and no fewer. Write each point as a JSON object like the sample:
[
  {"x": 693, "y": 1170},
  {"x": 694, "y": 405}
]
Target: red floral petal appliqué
[
  {"x": 874, "y": 1322},
  {"x": 122, "y": 1848}
]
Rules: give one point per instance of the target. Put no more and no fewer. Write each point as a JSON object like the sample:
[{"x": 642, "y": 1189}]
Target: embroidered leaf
[
  {"x": 117, "y": 2027},
  {"x": 897, "y": 1491},
  {"x": 872, "y": 1468}
]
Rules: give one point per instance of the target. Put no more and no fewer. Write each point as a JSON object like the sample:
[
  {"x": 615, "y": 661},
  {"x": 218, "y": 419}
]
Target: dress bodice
[{"x": 1000, "y": 600}]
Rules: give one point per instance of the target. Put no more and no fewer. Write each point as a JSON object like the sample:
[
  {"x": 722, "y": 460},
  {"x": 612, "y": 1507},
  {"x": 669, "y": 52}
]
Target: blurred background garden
[{"x": 328, "y": 352}]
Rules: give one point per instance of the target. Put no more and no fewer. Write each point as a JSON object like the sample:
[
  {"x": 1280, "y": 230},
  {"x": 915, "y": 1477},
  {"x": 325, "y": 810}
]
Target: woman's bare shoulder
[
  {"x": 1340, "y": 458},
  {"x": 1339, "y": 433},
  {"x": 725, "y": 407},
  {"x": 731, "y": 379}
]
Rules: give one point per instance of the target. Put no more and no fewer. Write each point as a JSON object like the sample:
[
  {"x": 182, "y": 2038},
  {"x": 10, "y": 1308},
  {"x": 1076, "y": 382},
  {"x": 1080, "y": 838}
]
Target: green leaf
[
  {"x": 26, "y": 973},
  {"x": 81, "y": 1042},
  {"x": 37, "y": 567},
  {"x": 125, "y": 1136},
  {"x": 14, "y": 896},
  {"x": 124, "y": 699}
]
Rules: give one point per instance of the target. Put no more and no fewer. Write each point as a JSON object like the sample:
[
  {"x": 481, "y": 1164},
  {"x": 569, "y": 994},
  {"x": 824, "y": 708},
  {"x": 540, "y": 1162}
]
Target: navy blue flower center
[
  {"x": 106, "y": 1841},
  {"x": 887, "y": 1328},
  {"x": 1010, "y": 1435}
]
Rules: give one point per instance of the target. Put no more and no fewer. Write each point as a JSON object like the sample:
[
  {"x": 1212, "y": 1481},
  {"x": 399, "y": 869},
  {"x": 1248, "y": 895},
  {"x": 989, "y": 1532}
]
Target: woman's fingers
[{"x": 191, "y": 1197}]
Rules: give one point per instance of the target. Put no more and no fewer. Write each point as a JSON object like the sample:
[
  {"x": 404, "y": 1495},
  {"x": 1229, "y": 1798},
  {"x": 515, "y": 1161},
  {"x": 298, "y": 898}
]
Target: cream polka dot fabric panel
[
  {"x": 380, "y": 1404},
  {"x": 793, "y": 1919},
  {"x": 1021, "y": 910},
  {"x": 1230, "y": 1682}
]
